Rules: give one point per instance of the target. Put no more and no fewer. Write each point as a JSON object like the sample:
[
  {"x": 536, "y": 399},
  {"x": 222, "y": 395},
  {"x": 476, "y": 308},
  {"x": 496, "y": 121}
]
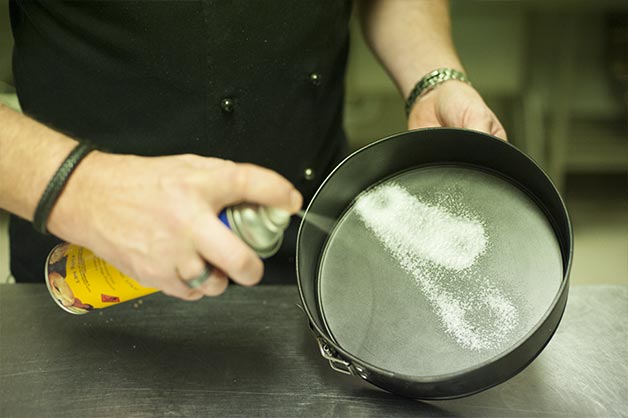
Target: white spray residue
[
  {"x": 429, "y": 242},
  {"x": 430, "y": 232}
]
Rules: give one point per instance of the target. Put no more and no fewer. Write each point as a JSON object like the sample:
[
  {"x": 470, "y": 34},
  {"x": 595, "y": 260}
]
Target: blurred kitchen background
[{"x": 556, "y": 74}]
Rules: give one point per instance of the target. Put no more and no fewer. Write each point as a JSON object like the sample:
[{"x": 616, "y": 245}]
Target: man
[{"x": 152, "y": 83}]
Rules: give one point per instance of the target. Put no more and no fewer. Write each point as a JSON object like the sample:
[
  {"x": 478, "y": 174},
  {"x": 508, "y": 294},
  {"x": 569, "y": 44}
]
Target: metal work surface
[
  {"x": 396, "y": 293},
  {"x": 250, "y": 353}
]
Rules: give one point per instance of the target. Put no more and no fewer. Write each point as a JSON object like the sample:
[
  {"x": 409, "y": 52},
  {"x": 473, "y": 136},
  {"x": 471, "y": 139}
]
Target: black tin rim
[{"x": 550, "y": 319}]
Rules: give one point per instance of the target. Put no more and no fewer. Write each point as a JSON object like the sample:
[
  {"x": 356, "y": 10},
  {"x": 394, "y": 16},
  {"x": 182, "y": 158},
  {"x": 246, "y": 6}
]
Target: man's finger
[
  {"x": 194, "y": 271},
  {"x": 178, "y": 289},
  {"x": 222, "y": 249},
  {"x": 479, "y": 121},
  {"x": 251, "y": 183},
  {"x": 216, "y": 284},
  {"x": 498, "y": 130}
]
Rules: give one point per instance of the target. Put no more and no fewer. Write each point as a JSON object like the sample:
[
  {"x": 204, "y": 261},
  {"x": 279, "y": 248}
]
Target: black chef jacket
[{"x": 256, "y": 81}]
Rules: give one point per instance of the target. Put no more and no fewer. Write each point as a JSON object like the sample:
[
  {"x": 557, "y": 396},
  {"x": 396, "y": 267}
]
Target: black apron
[{"x": 257, "y": 81}]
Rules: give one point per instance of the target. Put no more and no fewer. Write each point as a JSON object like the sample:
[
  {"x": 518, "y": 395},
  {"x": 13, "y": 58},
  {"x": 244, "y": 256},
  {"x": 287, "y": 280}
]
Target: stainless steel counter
[{"x": 250, "y": 353}]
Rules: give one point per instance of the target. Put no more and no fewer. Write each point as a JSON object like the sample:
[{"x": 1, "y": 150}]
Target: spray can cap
[
  {"x": 261, "y": 227},
  {"x": 278, "y": 218}
]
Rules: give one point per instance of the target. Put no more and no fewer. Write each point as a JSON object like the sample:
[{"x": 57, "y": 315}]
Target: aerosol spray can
[{"x": 80, "y": 282}]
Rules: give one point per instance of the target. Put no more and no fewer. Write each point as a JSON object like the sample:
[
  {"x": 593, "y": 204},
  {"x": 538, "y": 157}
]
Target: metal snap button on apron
[
  {"x": 308, "y": 174},
  {"x": 315, "y": 79},
  {"x": 227, "y": 104}
]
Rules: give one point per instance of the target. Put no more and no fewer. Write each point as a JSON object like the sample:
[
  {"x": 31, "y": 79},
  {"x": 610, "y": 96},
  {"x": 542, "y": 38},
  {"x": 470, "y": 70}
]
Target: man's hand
[
  {"x": 155, "y": 218},
  {"x": 152, "y": 218},
  {"x": 455, "y": 104},
  {"x": 412, "y": 38}
]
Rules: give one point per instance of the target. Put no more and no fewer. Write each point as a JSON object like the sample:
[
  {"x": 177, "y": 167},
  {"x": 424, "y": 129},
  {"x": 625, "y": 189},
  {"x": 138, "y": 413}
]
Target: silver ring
[{"x": 198, "y": 281}]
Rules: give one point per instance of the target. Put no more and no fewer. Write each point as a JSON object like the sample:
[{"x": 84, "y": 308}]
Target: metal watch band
[
  {"x": 431, "y": 80},
  {"x": 57, "y": 184}
]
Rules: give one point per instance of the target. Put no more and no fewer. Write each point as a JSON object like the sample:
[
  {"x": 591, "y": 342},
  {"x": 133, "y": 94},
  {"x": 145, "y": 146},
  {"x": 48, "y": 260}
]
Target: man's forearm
[
  {"x": 30, "y": 153},
  {"x": 410, "y": 37}
]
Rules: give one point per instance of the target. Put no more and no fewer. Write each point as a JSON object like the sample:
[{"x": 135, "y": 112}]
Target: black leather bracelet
[{"x": 57, "y": 184}]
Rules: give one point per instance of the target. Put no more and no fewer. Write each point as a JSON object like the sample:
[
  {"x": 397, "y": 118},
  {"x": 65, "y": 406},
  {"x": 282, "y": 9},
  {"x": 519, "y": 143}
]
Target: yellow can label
[{"x": 79, "y": 281}]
